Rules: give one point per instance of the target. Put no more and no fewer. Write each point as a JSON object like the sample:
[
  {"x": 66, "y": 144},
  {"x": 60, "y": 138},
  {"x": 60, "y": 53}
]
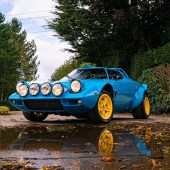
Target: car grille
[{"x": 53, "y": 104}]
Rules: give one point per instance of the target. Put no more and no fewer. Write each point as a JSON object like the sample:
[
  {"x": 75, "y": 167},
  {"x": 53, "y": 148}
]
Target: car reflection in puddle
[{"x": 73, "y": 146}]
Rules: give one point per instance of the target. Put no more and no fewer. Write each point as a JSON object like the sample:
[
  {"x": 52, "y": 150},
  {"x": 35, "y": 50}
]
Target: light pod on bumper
[
  {"x": 34, "y": 89},
  {"x": 75, "y": 86},
  {"x": 57, "y": 89},
  {"x": 19, "y": 84},
  {"x": 45, "y": 89},
  {"x": 23, "y": 90}
]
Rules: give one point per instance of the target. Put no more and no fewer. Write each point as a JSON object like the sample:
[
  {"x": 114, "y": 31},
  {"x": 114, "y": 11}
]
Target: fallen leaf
[
  {"x": 135, "y": 166},
  {"x": 153, "y": 162},
  {"x": 108, "y": 158},
  {"x": 122, "y": 167}
]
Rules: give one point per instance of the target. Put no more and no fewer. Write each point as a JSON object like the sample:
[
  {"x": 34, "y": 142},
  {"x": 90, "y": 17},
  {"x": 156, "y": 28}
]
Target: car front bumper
[{"x": 73, "y": 103}]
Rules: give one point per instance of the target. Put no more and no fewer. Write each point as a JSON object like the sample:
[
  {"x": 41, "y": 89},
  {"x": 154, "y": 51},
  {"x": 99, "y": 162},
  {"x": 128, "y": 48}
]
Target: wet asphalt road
[{"x": 70, "y": 143}]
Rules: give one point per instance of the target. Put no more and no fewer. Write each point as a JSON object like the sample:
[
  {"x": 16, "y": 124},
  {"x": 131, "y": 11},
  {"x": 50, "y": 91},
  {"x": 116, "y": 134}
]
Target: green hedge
[
  {"x": 152, "y": 58},
  {"x": 158, "y": 79}
]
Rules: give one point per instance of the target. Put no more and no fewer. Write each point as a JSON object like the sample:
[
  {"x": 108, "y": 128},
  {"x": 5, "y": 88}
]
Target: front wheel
[
  {"x": 143, "y": 110},
  {"x": 103, "y": 110},
  {"x": 33, "y": 116}
]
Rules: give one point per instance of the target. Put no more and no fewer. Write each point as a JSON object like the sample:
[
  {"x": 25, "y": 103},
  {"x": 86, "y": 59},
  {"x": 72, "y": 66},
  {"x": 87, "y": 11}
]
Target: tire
[
  {"x": 103, "y": 110},
  {"x": 33, "y": 116},
  {"x": 80, "y": 116},
  {"x": 143, "y": 110}
]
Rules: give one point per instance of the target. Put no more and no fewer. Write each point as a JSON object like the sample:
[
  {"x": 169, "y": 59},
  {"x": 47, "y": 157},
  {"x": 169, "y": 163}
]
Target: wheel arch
[
  {"x": 138, "y": 97},
  {"x": 109, "y": 88}
]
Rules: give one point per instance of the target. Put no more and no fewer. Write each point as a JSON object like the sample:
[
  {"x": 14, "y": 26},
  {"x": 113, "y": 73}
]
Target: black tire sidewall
[
  {"x": 139, "y": 112},
  {"x": 32, "y": 116}
]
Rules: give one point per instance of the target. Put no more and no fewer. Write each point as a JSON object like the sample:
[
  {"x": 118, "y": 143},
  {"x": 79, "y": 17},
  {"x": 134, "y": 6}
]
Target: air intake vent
[{"x": 53, "y": 104}]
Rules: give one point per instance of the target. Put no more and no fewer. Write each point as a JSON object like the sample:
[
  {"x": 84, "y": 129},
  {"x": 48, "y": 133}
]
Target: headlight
[
  {"x": 75, "y": 86},
  {"x": 34, "y": 89},
  {"x": 19, "y": 84},
  {"x": 23, "y": 90},
  {"x": 45, "y": 89},
  {"x": 57, "y": 89}
]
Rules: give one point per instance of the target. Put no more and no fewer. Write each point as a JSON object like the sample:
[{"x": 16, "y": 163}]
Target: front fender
[{"x": 138, "y": 97}]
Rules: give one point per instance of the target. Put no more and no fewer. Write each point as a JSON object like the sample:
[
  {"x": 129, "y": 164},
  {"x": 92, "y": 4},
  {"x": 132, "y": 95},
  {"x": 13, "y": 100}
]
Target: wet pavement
[{"x": 85, "y": 146}]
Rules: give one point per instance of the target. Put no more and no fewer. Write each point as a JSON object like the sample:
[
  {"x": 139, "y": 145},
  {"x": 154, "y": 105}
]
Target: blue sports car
[{"x": 92, "y": 92}]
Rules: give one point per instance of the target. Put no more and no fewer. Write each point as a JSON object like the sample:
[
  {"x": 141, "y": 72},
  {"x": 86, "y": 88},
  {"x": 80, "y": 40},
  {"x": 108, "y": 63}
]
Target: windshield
[{"x": 86, "y": 74}]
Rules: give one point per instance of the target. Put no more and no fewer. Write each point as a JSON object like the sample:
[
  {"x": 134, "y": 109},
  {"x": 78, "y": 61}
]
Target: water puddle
[{"x": 77, "y": 147}]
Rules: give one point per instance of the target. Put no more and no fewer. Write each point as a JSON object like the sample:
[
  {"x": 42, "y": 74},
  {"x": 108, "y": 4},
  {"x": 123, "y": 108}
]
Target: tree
[
  {"x": 26, "y": 51},
  {"x": 110, "y": 33},
  {"x": 64, "y": 69},
  {"x": 151, "y": 19},
  {"x": 17, "y": 56},
  {"x": 67, "y": 67}
]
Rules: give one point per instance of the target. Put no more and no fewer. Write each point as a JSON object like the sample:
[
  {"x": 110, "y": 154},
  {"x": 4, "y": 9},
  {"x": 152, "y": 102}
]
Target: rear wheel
[
  {"x": 143, "y": 110},
  {"x": 33, "y": 116},
  {"x": 103, "y": 110}
]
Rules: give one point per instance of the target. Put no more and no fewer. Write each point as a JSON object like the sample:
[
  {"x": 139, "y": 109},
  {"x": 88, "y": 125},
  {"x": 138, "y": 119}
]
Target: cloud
[
  {"x": 3, "y": 2},
  {"x": 51, "y": 56},
  {"x": 27, "y": 6},
  {"x": 33, "y": 9},
  {"x": 49, "y": 48}
]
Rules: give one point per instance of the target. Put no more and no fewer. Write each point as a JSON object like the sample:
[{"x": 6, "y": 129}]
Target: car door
[{"x": 123, "y": 87}]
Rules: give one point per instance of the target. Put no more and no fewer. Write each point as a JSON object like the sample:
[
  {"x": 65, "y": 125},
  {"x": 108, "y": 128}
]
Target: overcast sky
[{"x": 33, "y": 15}]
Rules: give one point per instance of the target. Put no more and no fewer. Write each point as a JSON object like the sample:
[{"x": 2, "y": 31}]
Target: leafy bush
[
  {"x": 158, "y": 79},
  {"x": 149, "y": 59},
  {"x": 4, "y": 110}
]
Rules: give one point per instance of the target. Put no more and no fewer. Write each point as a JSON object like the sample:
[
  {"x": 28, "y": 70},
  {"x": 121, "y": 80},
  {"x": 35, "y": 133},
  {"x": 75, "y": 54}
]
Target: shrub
[
  {"x": 149, "y": 59},
  {"x": 158, "y": 79},
  {"x": 4, "y": 110}
]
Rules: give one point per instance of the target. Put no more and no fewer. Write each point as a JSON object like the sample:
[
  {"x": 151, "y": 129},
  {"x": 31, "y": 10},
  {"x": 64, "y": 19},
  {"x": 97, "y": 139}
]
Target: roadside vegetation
[
  {"x": 158, "y": 80},
  {"x": 134, "y": 36}
]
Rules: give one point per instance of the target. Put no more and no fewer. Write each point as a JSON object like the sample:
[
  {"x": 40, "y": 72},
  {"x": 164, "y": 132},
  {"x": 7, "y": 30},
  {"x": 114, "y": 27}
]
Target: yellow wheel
[
  {"x": 147, "y": 105},
  {"x": 105, "y": 106},
  {"x": 143, "y": 110},
  {"x": 103, "y": 110},
  {"x": 106, "y": 143}
]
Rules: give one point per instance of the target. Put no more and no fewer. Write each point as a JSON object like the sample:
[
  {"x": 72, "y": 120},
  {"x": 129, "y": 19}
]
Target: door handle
[{"x": 130, "y": 84}]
